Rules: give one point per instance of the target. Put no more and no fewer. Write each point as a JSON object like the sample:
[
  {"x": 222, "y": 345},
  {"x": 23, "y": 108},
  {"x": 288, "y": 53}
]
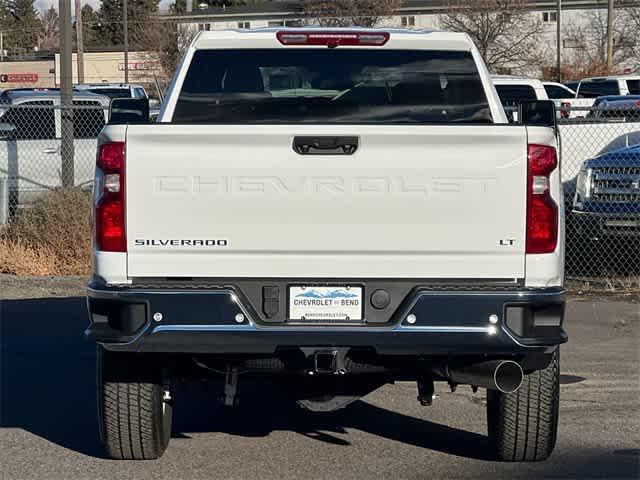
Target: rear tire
[
  {"x": 134, "y": 415},
  {"x": 523, "y": 425}
]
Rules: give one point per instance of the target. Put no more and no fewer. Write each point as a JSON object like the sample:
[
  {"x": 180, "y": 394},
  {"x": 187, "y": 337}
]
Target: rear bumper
[{"x": 222, "y": 321}]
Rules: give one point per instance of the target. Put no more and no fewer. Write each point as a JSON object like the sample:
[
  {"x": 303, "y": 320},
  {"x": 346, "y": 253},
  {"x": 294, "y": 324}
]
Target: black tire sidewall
[{"x": 125, "y": 368}]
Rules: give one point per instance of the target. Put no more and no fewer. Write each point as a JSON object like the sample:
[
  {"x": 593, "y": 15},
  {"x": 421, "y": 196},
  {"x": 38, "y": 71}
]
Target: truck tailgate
[{"x": 411, "y": 202}]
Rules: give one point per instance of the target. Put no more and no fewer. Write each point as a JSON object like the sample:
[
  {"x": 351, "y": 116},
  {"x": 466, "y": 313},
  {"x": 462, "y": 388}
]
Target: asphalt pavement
[{"x": 48, "y": 423}]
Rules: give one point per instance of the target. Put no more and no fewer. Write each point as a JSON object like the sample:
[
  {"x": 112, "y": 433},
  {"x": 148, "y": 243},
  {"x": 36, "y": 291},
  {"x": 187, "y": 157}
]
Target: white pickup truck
[{"x": 338, "y": 210}]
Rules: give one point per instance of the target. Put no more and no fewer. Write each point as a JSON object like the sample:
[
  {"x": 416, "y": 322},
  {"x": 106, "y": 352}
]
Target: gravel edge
[{"x": 16, "y": 287}]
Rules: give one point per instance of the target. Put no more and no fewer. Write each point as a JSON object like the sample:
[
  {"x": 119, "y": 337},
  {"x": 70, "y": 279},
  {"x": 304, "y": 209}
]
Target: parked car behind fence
[
  {"x": 601, "y": 178},
  {"x": 616, "y": 108},
  {"x": 30, "y": 141},
  {"x": 607, "y": 199}
]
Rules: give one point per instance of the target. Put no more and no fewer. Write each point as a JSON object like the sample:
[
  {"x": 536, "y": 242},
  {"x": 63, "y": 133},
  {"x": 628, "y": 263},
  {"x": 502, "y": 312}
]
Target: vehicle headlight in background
[{"x": 583, "y": 186}]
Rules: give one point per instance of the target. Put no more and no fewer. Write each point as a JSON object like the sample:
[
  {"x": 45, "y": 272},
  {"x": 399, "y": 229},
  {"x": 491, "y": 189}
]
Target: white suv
[{"x": 600, "y": 86}]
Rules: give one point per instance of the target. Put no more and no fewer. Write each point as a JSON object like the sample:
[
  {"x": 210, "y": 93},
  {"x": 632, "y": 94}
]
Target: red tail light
[
  {"x": 542, "y": 211},
  {"x": 109, "y": 196},
  {"x": 332, "y": 38}
]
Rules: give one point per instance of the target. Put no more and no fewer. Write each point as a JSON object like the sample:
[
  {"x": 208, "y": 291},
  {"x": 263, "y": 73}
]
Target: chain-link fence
[
  {"x": 32, "y": 157},
  {"x": 601, "y": 176},
  {"x": 600, "y": 169}
]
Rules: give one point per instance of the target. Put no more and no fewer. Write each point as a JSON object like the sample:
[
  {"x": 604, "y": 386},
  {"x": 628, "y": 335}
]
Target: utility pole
[
  {"x": 1, "y": 46},
  {"x": 79, "y": 41},
  {"x": 610, "y": 14},
  {"x": 125, "y": 25},
  {"x": 66, "y": 94},
  {"x": 559, "y": 41}
]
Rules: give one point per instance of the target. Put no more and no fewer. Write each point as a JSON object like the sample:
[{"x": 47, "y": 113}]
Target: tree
[
  {"x": 49, "y": 35},
  {"x": 587, "y": 43},
  {"x": 166, "y": 41},
  {"x": 630, "y": 10},
  {"x": 631, "y": 14},
  {"x": 344, "y": 13},
  {"x": 90, "y": 26},
  {"x": 21, "y": 22},
  {"x": 505, "y": 32},
  {"x": 634, "y": 15},
  {"x": 178, "y": 8},
  {"x": 110, "y": 29}
]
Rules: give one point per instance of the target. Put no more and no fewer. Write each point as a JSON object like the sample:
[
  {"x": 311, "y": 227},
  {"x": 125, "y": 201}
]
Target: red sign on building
[{"x": 19, "y": 77}]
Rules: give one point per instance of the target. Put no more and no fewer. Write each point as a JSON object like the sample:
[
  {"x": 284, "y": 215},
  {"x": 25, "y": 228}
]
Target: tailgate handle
[{"x": 325, "y": 145}]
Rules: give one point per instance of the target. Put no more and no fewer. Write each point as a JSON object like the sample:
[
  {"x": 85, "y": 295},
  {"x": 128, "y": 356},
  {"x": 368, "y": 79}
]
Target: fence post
[
  {"x": 66, "y": 95},
  {"x": 4, "y": 200}
]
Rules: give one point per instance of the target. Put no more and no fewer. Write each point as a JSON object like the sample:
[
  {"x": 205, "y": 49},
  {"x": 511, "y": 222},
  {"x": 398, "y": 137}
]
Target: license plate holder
[{"x": 333, "y": 303}]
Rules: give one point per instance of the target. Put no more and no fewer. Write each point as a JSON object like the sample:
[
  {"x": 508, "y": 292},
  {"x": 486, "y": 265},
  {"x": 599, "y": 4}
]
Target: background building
[
  {"x": 583, "y": 26},
  {"x": 109, "y": 67},
  {"x": 157, "y": 40}
]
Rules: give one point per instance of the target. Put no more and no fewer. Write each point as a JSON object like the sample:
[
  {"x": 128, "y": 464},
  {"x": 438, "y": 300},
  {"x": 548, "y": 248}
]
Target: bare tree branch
[
  {"x": 49, "y": 30},
  {"x": 587, "y": 43},
  {"x": 504, "y": 31},
  {"x": 345, "y": 13}
]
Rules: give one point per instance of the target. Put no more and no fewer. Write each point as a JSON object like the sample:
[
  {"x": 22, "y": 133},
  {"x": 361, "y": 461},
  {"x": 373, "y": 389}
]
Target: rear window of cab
[
  {"x": 598, "y": 88},
  {"x": 338, "y": 85},
  {"x": 511, "y": 95}
]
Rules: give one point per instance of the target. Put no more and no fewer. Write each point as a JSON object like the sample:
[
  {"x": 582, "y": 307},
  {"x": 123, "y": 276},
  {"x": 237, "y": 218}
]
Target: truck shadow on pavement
[
  {"x": 264, "y": 409},
  {"x": 47, "y": 387},
  {"x": 47, "y": 372}
]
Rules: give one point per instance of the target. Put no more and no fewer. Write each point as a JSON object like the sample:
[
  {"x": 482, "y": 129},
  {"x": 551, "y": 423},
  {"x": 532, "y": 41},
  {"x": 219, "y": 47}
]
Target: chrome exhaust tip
[{"x": 505, "y": 376}]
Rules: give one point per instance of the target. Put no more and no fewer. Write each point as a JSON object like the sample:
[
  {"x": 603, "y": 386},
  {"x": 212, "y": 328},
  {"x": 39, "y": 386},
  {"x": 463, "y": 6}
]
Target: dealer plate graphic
[{"x": 325, "y": 303}]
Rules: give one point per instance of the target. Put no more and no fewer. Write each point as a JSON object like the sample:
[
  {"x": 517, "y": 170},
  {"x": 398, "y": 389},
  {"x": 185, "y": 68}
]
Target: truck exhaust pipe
[{"x": 503, "y": 375}]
